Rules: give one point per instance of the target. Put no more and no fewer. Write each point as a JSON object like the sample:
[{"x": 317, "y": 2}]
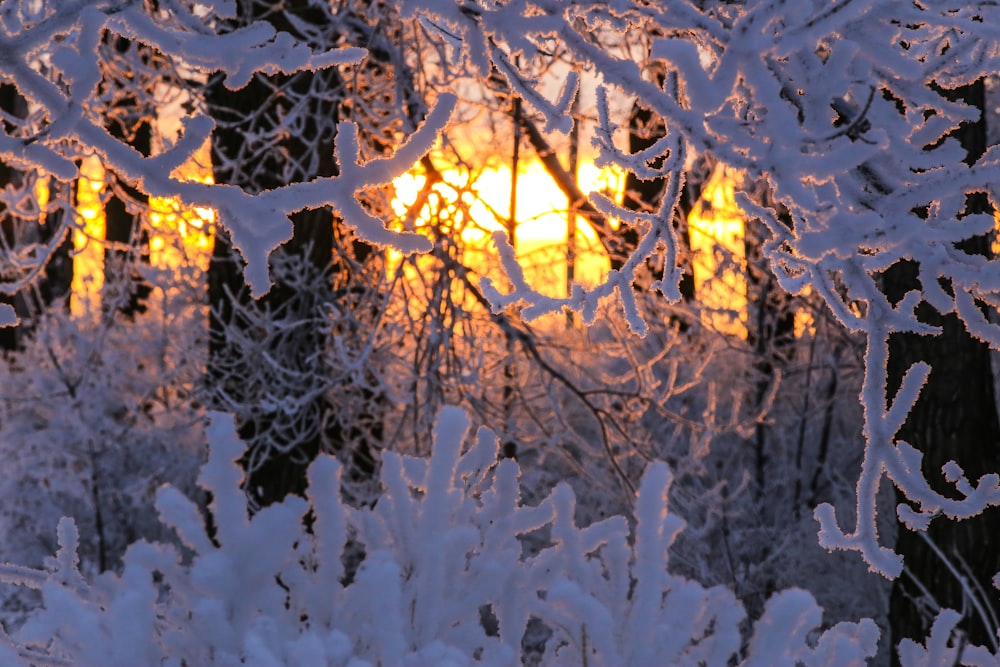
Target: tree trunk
[
  {"x": 267, "y": 360},
  {"x": 58, "y": 280},
  {"x": 127, "y": 239},
  {"x": 125, "y": 233},
  {"x": 12, "y": 227},
  {"x": 770, "y": 331},
  {"x": 286, "y": 322},
  {"x": 955, "y": 418},
  {"x": 17, "y": 231}
]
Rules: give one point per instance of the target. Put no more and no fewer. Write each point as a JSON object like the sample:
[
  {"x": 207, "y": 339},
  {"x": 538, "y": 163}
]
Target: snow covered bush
[
  {"x": 444, "y": 580},
  {"x": 94, "y": 417},
  {"x": 945, "y": 647}
]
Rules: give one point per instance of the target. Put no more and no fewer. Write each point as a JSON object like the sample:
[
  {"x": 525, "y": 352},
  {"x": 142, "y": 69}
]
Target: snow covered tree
[
  {"x": 952, "y": 565},
  {"x": 30, "y": 288},
  {"x": 94, "y": 416},
  {"x": 266, "y": 356},
  {"x": 836, "y": 108},
  {"x": 444, "y": 550}
]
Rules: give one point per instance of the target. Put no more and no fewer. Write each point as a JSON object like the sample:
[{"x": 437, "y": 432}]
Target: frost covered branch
[
  {"x": 55, "y": 62},
  {"x": 839, "y": 110}
]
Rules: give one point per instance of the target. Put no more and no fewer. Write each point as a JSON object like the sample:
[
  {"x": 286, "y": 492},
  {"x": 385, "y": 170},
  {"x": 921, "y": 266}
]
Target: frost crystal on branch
[{"x": 65, "y": 96}]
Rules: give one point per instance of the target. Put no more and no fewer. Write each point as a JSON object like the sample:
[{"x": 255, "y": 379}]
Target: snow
[
  {"x": 8, "y": 316},
  {"x": 830, "y": 104},
  {"x": 434, "y": 562}
]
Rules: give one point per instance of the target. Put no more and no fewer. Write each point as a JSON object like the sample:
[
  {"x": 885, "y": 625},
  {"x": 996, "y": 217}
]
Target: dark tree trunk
[
  {"x": 17, "y": 231},
  {"x": 125, "y": 233},
  {"x": 12, "y": 227},
  {"x": 291, "y": 444},
  {"x": 267, "y": 360},
  {"x": 770, "y": 331},
  {"x": 955, "y": 418},
  {"x": 57, "y": 283}
]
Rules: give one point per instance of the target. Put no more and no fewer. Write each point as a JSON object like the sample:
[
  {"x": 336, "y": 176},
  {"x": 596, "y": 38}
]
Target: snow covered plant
[
  {"x": 856, "y": 117},
  {"x": 94, "y": 416},
  {"x": 445, "y": 579}
]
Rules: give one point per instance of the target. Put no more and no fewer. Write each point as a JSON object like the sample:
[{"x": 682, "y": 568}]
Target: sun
[
  {"x": 468, "y": 207},
  {"x": 473, "y": 206}
]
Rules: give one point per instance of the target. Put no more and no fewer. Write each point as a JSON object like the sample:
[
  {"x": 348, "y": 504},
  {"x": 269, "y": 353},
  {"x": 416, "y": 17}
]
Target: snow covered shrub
[
  {"x": 444, "y": 580},
  {"x": 94, "y": 417},
  {"x": 940, "y": 649}
]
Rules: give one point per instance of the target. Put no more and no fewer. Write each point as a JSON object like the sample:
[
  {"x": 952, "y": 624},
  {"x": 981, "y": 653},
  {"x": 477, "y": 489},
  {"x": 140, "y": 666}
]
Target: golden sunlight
[
  {"x": 179, "y": 235},
  {"x": 191, "y": 225},
  {"x": 470, "y": 209},
  {"x": 716, "y": 227},
  {"x": 716, "y": 230},
  {"x": 88, "y": 252},
  {"x": 478, "y": 208}
]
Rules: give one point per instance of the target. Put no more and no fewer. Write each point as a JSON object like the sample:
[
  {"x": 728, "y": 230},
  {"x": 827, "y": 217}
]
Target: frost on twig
[
  {"x": 899, "y": 462},
  {"x": 945, "y": 647},
  {"x": 8, "y": 317}
]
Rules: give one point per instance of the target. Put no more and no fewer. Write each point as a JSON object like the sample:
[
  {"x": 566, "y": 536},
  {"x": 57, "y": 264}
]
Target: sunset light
[
  {"x": 467, "y": 332},
  {"x": 88, "y": 258},
  {"x": 474, "y": 210},
  {"x": 179, "y": 234},
  {"x": 479, "y": 208},
  {"x": 716, "y": 230},
  {"x": 193, "y": 226}
]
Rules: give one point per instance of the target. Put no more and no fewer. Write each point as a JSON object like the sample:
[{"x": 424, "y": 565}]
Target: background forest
[{"x": 433, "y": 333}]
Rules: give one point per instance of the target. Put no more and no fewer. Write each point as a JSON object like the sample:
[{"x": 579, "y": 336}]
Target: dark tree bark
[
  {"x": 955, "y": 418},
  {"x": 292, "y": 444},
  {"x": 124, "y": 232},
  {"x": 57, "y": 283},
  {"x": 17, "y": 230},
  {"x": 770, "y": 331},
  {"x": 279, "y": 390},
  {"x": 12, "y": 227}
]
